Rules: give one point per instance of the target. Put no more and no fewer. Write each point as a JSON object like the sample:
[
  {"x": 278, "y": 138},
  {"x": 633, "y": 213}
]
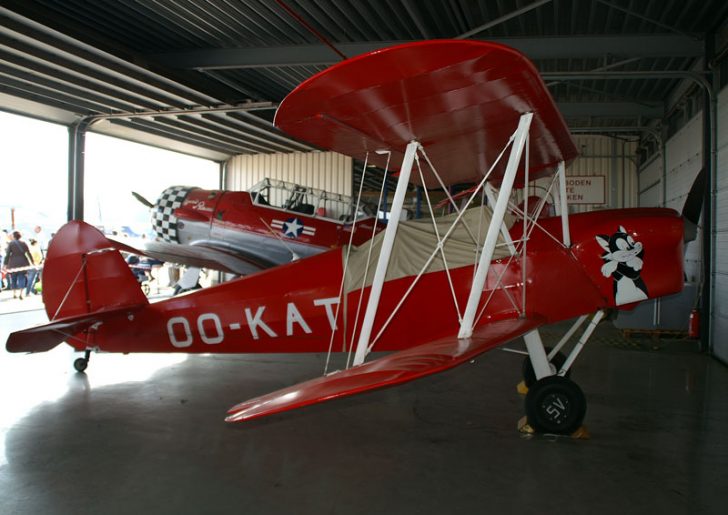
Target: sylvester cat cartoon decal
[{"x": 623, "y": 261}]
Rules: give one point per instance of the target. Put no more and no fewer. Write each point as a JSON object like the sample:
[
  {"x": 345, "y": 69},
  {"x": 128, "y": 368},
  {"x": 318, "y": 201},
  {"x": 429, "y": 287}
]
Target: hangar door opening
[
  {"x": 34, "y": 170},
  {"x": 116, "y": 168}
]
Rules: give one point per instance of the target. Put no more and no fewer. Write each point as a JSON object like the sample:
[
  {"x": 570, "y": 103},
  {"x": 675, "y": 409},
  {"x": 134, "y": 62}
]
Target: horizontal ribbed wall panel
[
  {"x": 328, "y": 171},
  {"x": 608, "y": 158}
]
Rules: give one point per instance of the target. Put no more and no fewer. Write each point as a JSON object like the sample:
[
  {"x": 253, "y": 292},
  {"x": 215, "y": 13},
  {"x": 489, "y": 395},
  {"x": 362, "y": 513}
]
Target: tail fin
[{"x": 84, "y": 273}]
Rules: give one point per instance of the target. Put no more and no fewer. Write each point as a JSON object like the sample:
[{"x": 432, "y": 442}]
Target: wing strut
[
  {"x": 564, "y": 205},
  {"x": 488, "y": 188},
  {"x": 491, "y": 238},
  {"x": 383, "y": 261}
]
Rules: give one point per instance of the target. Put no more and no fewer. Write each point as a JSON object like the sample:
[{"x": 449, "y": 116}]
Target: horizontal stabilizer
[
  {"x": 393, "y": 369},
  {"x": 43, "y": 338}
]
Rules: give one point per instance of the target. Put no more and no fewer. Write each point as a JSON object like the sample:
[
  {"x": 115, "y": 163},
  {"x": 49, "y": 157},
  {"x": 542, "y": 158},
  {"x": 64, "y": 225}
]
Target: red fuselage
[
  {"x": 225, "y": 213},
  {"x": 292, "y": 308}
]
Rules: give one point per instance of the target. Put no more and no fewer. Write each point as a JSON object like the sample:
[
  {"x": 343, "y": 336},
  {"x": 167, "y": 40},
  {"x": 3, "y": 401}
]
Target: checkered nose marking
[{"x": 163, "y": 219}]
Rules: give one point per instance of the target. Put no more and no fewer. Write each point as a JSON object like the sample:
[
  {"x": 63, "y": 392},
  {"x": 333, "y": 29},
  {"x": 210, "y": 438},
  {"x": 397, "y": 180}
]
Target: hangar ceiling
[{"x": 204, "y": 77}]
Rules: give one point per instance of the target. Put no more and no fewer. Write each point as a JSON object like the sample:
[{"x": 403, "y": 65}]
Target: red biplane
[
  {"x": 435, "y": 292},
  {"x": 243, "y": 232}
]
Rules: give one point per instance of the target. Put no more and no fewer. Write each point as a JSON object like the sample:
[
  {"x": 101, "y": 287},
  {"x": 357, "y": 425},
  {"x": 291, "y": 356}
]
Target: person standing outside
[
  {"x": 4, "y": 240},
  {"x": 17, "y": 255},
  {"x": 37, "y": 254},
  {"x": 40, "y": 237}
]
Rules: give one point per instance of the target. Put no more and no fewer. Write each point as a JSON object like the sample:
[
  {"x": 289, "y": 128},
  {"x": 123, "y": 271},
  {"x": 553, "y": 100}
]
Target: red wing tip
[{"x": 238, "y": 417}]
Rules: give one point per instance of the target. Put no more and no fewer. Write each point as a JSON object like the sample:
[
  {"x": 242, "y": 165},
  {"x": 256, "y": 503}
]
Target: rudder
[{"x": 84, "y": 273}]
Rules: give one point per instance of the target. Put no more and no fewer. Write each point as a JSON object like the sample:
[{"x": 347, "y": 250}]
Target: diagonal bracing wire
[
  {"x": 444, "y": 239},
  {"x": 366, "y": 269},
  {"x": 346, "y": 264}
]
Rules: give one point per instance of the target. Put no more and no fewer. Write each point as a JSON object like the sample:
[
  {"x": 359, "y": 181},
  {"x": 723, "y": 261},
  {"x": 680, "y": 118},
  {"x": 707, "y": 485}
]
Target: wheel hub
[{"x": 556, "y": 408}]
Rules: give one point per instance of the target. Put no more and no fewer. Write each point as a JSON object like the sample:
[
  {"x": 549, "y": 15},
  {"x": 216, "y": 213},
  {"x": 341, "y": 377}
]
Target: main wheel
[
  {"x": 80, "y": 364},
  {"x": 529, "y": 375},
  {"x": 556, "y": 405}
]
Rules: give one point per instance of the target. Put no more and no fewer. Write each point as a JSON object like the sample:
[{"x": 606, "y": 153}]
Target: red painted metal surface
[
  {"x": 292, "y": 308},
  {"x": 235, "y": 210},
  {"x": 86, "y": 274},
  {"x": 460, "y": 99},
  {"x": 391, "y": 370}
]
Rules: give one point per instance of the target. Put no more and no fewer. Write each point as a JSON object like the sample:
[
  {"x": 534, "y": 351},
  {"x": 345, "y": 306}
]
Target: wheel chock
[
  {"x": 523, "y": 426},
  {"x": 525, "y": 429},
  {"x": 581, "y": 434},
  {"x": 521, "y": 388}
]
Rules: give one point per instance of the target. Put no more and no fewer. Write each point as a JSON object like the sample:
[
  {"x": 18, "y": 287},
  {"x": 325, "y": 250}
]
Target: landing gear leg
[
  {"x": 81, "y": 364},
  {"x": 554, "y": 403}
]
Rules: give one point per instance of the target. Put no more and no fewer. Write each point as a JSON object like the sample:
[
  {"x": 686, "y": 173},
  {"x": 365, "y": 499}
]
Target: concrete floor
[{"x": 145, "y": 434}]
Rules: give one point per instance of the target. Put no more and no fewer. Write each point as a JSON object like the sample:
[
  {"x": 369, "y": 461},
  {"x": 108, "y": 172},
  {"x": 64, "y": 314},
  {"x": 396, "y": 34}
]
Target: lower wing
[{"x": 392, "y": 369}]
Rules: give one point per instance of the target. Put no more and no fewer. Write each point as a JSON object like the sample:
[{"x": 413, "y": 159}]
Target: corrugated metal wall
[
  {"x": 611, "y": 158},
  {"x": 328, "y": 171},
  {"x": 684, "y": 152},
  {"x": 650, "y": 180},
  {"x": 683, "y": 160},
  {"x": 720, "y": 307}
]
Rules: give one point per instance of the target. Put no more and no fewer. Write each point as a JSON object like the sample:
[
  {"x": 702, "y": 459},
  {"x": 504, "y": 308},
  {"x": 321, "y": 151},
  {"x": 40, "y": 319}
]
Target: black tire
[
  {"x": 555, "y": 405},
  {"x": 529, "y": 376},
  {"x": 81, "y": 364}
]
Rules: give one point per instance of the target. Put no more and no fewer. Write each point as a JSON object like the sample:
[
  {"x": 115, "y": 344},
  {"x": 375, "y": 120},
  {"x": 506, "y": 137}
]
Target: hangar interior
[{"x": 642, "y": 88}]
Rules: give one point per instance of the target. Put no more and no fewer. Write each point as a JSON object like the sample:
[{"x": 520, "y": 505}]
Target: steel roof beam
[
  {"x": 253, "y": 137},
  {"x": 32, "y": 87},
  {"x": 552, "y": 47},
  {"x": 609, "y": 109},
  {"x": 504, "y": 18},
  {"x": 43, "y": 96},
  {"x": 203, "y": 136},
  {"x": 34, "y": 34},
  {"x": 612, "y": 5},
  {"x": 60, "y": 75},
  {"x": 44, "y": 57},
  {"x": 271, "y": 134},
  {"x": 170, "y": 132},
  {"x": 631, "y": 75}
]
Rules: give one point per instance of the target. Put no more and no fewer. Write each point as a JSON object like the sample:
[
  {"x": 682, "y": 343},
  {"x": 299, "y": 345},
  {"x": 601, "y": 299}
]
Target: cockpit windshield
[{"x": 308, "y": 201}]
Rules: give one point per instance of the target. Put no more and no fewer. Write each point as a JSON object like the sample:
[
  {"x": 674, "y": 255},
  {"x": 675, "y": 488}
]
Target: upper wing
[
  {"x": 460, "y": 99},
  {"x": 399, "y": 367},
  {"x": 230, "y": 260}
]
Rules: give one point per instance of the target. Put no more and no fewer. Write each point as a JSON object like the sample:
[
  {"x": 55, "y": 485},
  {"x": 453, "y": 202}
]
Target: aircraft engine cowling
[{"x": 164, "y": 220}]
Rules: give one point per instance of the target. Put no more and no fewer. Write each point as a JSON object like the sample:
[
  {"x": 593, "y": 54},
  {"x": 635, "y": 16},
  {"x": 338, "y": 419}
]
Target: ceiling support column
[{"x": 76, "y": 154}]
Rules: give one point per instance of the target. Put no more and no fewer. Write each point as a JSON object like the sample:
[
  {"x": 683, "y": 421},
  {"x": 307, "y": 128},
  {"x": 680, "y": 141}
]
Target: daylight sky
[{"x": 34, "y": 171}]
